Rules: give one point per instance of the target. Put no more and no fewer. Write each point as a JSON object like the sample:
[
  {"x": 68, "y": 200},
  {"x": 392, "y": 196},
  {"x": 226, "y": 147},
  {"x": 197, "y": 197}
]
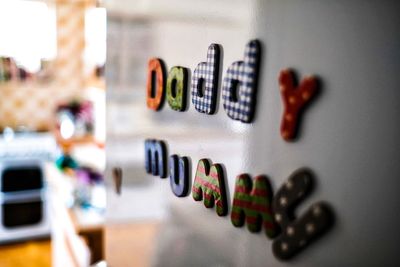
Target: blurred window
[{"x": 27, "y": 32}]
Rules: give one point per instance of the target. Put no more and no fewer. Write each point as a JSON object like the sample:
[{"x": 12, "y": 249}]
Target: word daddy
[{"x": 239, "y": 88}]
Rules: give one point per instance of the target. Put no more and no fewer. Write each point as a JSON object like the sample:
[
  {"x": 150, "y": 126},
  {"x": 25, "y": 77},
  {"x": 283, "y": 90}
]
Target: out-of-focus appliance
[{"x": 24, "y": 208}]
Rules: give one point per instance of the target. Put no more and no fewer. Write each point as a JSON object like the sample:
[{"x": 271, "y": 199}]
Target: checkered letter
[
  {"x": 240, "y": 84},
  {"x": 252, "y": 201},
  {"x": 156, "y": 157},
  {"x": 209, "y": 184},
  {"x": 155, "y": 83},
  {"x": 204, "y": 88}
]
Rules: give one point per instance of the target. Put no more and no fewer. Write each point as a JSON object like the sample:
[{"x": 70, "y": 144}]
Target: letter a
[{"x": 177, "y": 88}]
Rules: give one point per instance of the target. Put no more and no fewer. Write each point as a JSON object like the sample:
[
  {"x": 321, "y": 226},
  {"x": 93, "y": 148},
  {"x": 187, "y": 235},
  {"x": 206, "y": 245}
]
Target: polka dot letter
[
  {"x": 298, "y": 233},
  {"x": 209, "y": 183},
  {"x": 294, "y": 100}
]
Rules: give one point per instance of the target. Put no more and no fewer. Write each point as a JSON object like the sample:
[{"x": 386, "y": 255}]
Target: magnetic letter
[
  {"x": 294, "y": 100},
  {"x": 298, "y": 233},
  {"x": 210, "y": 182},
  {"x": 240, "y": 84},
  {"x": 205, "y": 82},
  {"x": 177, "y": 88},
  {"x": 117, "y": 177},
  {"x": 253, "y": 202},
  {"x": 155, "y": 78},
  {"x": 156, "y": 158},
  {"x": 179, "y": 175}
]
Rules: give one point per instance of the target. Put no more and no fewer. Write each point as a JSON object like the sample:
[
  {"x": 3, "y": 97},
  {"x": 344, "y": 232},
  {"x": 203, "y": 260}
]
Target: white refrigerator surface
[{"x": 349, "y": 135}]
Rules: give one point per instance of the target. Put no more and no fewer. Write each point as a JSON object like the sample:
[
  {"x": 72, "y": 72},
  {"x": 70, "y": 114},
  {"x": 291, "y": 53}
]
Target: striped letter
[
  {"x": 254, "y": 204},
  {"x": 209, "y": 183}
]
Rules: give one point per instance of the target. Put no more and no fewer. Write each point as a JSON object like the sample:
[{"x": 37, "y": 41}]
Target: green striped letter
[
  {"x": 253, "y": 203},
  {"x": 209, "y": 183}
]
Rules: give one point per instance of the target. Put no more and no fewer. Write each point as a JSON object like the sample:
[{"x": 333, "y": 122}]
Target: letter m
[
  {"x": 252, "y": 203},
  {"x": 209, "y": 185},
  {"x": 156, "y": 157}
]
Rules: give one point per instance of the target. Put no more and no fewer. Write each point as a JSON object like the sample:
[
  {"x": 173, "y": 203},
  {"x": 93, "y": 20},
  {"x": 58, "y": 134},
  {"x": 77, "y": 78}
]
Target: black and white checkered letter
[
  {"x": 240, "y": 84},
  {"x": 204, "y": 88}
]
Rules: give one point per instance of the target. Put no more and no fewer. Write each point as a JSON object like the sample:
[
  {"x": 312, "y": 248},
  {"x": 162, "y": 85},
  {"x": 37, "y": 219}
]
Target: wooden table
[{"x": 36, "y": 253}]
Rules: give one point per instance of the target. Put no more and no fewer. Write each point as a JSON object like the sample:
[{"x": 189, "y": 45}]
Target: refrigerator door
[{"x": 348, "y": 136}]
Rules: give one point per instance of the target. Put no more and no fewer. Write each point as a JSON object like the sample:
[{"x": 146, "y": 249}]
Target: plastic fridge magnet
[
  {"x": 117, "y": 177},
  {"x": 156, "y": 157},
  {"x": 156, "y": 74},
  {"x": 240, "y": 84},
  {"x": 300, "y": 232},
  {"x": 204, "y": 87},
  {"x": 177, "y": 83},
  {"x": 209, "y": 184},
  {"x": 179, "y": 175},
  {"x": 252, "y": 202},
  {"x": 295, "y": 98}
]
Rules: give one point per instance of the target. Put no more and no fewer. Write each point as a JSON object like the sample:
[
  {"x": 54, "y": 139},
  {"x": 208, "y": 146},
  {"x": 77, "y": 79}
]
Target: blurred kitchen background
[
  {"x": 53, "y": 117},
  {"x": 52, "y": 123},
  {"x": 60, "y": 141}
]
